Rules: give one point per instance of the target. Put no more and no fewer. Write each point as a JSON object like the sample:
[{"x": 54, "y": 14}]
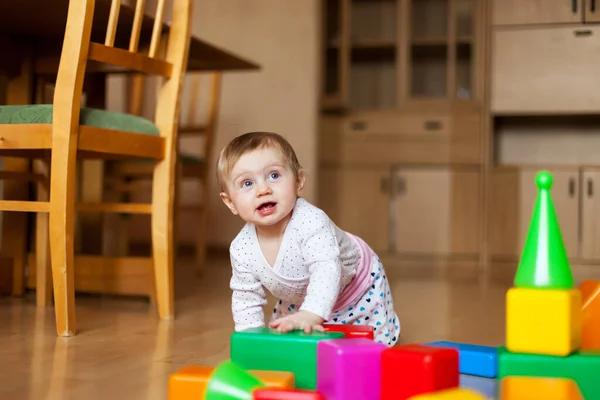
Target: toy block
[
  {"x": 230, "y": 382},
  {"x": 543, "y": 321},
  {"x": 348, "y": 368},
  {"x": 352, "y": 331},
  {"x": 268, "y": 349},
  {"x": 590, "y": 328},
  {"x": 415, "y": 369},
  {"x": 487, "y": 387},
  {"x": 189, "y": 383},
  {"x": 544, "y": 262},
  {"x": 473, "y": 359},
  {"x": 275, "y": 379},
  {"x": 582, "y": 367},
  {"x": 450, "y": 394},
  {"x": 281, "y": 394},
  {"x": 534, "y": 388}
]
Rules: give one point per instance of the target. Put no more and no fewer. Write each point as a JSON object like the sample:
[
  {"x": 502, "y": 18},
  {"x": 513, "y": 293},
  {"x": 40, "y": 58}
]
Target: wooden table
[{"x": 31, "y": 35}]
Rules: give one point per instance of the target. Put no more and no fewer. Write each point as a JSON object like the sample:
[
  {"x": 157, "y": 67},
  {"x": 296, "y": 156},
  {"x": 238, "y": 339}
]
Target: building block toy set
[{"x": 552, "y": 348}]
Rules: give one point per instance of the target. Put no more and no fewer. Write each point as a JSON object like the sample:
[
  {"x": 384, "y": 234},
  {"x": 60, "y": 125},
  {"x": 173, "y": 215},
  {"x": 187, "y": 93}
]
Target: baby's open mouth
[{"x": 266, "y": 206}]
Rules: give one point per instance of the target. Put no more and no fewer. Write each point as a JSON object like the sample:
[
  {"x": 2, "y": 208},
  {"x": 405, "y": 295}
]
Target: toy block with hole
[
  {"x": 543, "y": 310},
  {"x": 590, "y": 329},
  {"x": 535, "y": 388},
  {"x": 543, "y": 321},
  {"x": 349, "y": 368},
  {"x": 191, "y": 382},
  {"x": 351, "y": 331},
  {"x": 229, "y": 381},
  {"x": 582, "y": 367},
  {"x": 414, "y": 369},
  {"x": 268, "y": 349},
  {"x": 450, "y": 394},
  {"x": 282, "y": 394},
  {"x": 473, "y": 359}
]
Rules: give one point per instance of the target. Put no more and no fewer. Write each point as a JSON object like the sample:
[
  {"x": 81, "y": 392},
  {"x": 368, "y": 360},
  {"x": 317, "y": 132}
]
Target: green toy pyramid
[{"x": 544, "y": 263}]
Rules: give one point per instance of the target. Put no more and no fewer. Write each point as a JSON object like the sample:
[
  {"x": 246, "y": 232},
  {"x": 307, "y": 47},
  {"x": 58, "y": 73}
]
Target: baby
[{"x": 319, "y": 273}]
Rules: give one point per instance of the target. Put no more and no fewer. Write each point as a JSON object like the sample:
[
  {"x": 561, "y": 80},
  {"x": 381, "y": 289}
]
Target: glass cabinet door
[{"x": 440, "y": 49}]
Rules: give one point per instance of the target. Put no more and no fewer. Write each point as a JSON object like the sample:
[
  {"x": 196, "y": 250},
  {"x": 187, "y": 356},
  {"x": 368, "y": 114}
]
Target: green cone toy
[
  {"x": 230, "y": 382},
  {"x": 544, "y": 263}
]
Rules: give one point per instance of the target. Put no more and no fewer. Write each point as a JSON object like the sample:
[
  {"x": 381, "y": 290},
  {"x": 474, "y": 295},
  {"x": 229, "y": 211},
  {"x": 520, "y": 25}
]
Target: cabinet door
[
  {"x": 436, "y": 211},
  {"x": 592, "y": 11},
  {"x": 546, "y": 70},
  {"x": 590, "y": 216},
  {"x": 357, "y": 200},
  {"x": 565, "y": 196},
  {"x": 529, "y": 12},
  {"x": 512, "y": 201}
]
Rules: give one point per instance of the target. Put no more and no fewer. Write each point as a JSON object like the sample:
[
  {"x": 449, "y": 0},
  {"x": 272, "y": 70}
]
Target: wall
[{"x": 281, "y": 36}]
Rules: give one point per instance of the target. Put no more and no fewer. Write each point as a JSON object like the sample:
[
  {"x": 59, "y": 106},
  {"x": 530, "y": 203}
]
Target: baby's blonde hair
[{"x": 251, "y": 141}]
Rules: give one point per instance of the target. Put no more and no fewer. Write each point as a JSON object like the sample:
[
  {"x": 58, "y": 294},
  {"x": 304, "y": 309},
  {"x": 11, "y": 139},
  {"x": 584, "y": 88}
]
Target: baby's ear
[
  {"x": 300, "y": 183},
  {"x": 227, "y": 200}
]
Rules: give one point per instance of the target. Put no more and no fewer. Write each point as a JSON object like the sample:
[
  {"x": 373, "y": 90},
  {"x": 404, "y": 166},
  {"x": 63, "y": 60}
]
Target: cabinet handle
[
  {"x": 433, "y": 125},
  {"x": 590, "y": 187},
  {"x": 574, "y": 6},
  {"x": 571, "y": 187},
  {"x": 583, "y": 32},
  {"x": 358, "y": 125},
  {"x": 384, "y": 185}
]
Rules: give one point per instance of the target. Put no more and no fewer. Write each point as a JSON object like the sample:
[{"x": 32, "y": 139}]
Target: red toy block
[
  {"x": 413, "y": 369},
  {"x": 283, "y": 394},
  {"x": 351, "y": 331}
]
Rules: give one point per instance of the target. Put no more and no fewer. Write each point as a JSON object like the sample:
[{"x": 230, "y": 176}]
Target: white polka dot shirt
[{"x": 314, "y": 264}]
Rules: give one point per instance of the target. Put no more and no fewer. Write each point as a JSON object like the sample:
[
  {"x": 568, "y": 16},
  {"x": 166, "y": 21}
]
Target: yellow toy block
[
  {"x": 450, "y": 394},
  {"x": 530, "y": 388},
  {"x": 189, "y": 383},
  {"x": 543, "y": 321}
]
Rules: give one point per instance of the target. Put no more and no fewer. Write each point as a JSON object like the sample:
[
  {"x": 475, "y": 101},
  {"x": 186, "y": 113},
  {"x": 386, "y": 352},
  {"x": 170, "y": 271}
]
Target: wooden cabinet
[
  {"x": 513, "y": 199},
  {"x": 531, "y": 12},
  {"x": 357, "y": 200},
  {"x": 380, "y": 54},
  {"x": 406, "y": 211},
  {"x": 436, "y": 211},
  {"x": 546, "y": 70}
]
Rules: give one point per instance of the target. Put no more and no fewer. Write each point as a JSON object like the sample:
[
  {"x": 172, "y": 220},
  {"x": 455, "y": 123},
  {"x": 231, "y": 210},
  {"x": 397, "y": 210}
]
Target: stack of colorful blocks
[{"x": 552, "y": 347}]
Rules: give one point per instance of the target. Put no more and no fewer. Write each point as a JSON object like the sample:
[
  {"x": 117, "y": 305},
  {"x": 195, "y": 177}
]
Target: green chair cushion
[{"x": 42, "y": 114}]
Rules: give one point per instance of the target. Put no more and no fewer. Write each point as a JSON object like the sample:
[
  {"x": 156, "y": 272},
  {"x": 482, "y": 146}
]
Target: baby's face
[{"x": 261, "y": 187}]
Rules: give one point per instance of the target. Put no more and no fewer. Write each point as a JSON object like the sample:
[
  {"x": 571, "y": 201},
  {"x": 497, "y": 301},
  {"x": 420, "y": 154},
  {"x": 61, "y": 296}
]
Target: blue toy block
[{"x": 473, "y": 359}]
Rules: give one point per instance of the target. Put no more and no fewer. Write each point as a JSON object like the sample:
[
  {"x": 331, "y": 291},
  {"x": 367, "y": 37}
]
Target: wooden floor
[{"x": 123, "y": 351}]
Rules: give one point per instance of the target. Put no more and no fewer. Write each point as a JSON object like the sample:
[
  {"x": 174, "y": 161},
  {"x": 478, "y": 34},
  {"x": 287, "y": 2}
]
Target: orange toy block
[
  {"x": 189, "y": 383},
  {"x": 590, "y": 300},
  {"x": 531, "y": 388}
]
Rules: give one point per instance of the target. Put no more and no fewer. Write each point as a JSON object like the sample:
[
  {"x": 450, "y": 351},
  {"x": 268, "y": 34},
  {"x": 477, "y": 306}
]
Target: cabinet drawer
[
  {"x": 546, "y": 70},
  {"x": 399, "y": 124}
]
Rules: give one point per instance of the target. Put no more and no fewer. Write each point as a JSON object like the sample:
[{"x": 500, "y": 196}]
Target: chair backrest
[{"x": 78, "y": 49}]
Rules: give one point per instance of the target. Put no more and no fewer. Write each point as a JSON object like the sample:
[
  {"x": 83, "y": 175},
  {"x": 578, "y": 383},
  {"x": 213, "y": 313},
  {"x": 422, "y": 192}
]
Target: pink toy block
[{"x": 349, "y": 369}]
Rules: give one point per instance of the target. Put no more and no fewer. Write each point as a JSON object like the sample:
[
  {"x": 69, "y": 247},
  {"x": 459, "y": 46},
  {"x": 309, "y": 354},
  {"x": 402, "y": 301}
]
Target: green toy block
[
  {"x": 583, "y": 367},
  {"x": 544, "y": 263},
  {"x": 268, "y": 349}
]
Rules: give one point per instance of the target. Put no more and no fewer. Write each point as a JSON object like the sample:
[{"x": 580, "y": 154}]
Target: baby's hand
[{"x": 302, "y": 320}]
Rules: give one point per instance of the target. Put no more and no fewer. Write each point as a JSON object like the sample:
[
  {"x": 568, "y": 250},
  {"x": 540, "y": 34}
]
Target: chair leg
[
  {"x": 201, "y": 236},
  {"x": 62, "y": 246},
  {"x": 43, "y": 286},
  {"x": 163, "y": 201}
]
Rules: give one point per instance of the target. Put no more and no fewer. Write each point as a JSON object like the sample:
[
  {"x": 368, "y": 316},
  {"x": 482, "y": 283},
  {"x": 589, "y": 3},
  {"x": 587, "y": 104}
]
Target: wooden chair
[
  {"x": 192, "y": 166},
  {"x": 63, "y": 131}
]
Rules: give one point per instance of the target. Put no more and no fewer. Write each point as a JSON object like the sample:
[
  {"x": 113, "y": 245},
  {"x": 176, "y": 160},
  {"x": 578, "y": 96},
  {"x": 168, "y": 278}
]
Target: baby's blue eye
[
  {"x": 274, "y": 175},
  {"x": 246, "y": 184}
]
